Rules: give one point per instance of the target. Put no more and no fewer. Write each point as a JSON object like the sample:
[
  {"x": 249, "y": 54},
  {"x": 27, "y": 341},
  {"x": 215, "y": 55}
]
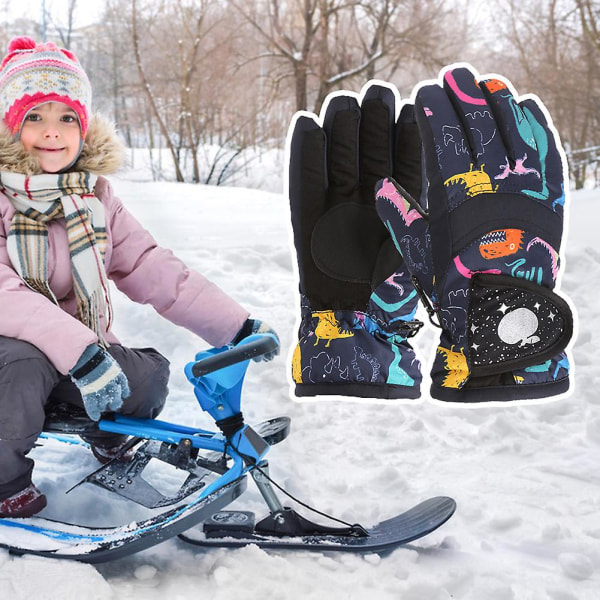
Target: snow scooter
[{"x": 216, "y": 466}]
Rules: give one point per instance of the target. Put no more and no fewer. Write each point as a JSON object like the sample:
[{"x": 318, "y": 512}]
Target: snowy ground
[{"x": 526, "y": 478}]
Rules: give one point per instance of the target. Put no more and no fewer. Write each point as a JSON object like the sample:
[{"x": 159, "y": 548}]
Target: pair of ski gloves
[
  {"x": 104, "y": 386},
  {"x": 458, "y": 201}
]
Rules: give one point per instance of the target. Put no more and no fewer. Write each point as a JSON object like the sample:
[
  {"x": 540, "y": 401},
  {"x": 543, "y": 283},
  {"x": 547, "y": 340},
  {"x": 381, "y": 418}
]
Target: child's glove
[
  {"x": 100, "y": 380},
  {"x": 357, "y": 300},
  {"x": 486, "y": 252},
  {"x": 254, "y": 326}
]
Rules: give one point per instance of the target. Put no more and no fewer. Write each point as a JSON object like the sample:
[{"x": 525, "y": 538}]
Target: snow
[{"x": 525, "y": 477}]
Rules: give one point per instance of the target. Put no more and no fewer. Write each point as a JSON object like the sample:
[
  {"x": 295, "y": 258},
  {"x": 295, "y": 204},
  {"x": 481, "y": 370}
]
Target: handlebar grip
[{"x": 257, "y": 345}]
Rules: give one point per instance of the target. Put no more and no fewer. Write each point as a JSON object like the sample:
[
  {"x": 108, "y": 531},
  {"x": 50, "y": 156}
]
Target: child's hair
[{"x": 32, "y": 74}]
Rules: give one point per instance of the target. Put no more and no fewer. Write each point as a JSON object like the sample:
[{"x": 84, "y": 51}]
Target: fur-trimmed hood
[{"x": 103, "y": 152}]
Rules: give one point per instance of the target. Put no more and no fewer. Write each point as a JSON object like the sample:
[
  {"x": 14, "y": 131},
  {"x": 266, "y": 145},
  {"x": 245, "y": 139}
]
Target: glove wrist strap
[{"x": 514, "y": 324}]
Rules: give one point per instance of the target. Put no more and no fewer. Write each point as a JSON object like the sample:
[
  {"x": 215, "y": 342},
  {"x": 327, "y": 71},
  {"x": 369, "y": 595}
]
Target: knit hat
[{"x": 32, "y": 74}]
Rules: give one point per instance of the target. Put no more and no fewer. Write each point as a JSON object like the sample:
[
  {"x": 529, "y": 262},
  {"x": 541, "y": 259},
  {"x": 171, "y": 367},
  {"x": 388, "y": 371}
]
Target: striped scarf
[{"x": 39, "y": 199}]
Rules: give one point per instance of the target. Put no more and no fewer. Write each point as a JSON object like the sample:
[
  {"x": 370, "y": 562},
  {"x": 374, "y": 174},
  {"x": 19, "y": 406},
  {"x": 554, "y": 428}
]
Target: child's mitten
[{"x": 100, "y": 380}]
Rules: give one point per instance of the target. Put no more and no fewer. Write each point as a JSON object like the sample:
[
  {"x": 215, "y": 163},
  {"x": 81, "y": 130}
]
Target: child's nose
[{"x": 51, "y": 132}]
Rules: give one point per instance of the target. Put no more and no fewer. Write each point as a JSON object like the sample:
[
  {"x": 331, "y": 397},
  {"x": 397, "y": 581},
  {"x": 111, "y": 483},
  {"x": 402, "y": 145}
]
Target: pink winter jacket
[{"x": 145, "y": 272}]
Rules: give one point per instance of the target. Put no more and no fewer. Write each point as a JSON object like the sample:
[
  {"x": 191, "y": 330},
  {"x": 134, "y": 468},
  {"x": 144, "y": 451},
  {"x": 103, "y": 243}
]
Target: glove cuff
[
  {"x": 89, "y": 360},
  {"x": 500, "y": 393},
  {"x": 347, "y": 353},
  {"x": 512, "y": 346}
]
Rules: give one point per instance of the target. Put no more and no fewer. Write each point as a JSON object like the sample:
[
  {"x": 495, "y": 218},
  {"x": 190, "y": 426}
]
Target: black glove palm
[{"x": 357, "y": 299}]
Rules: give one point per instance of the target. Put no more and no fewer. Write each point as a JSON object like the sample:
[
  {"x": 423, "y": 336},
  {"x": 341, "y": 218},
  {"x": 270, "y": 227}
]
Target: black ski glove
[
  {"x": 486, "y": 253},
  {"x": 357, "y": 302}
]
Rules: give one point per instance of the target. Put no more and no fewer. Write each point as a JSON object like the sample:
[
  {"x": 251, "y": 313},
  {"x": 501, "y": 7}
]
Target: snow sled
[{"x": 216, "y": 466}]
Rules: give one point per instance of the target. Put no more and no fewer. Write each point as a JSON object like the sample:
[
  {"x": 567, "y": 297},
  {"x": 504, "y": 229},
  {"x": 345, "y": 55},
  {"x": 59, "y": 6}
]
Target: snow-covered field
[{"x": 526, "y": 478}]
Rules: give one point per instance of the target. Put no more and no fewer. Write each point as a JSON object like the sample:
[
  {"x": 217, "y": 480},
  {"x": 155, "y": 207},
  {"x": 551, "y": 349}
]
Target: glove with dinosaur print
[
  {"x": 484, "y": 256},
  {"x": 357, "y": 301}
]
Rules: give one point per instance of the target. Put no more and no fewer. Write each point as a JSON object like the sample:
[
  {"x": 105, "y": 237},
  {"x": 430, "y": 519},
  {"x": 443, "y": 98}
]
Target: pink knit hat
[{"x": 32, "y": 74}]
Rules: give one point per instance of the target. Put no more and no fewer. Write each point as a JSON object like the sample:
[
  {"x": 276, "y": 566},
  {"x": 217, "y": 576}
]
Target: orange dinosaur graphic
[
  {"x": 475, "y": 181},
  {"x": 501, "y": 242},
  {"x": 328, "y": 328},
  {"x": 456, "y": 365},
  {"x": 494, "y": 85}
]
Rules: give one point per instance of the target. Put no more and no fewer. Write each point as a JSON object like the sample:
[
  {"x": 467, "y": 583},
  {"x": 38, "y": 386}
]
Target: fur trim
[{"x": 103, "y": 152}]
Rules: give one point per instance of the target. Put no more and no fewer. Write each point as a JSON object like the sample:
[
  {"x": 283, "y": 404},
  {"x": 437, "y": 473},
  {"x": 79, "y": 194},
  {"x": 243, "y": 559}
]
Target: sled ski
[
  {"x": 233, "y": 529},
  {"x": 55, "y": 539},
  {"x": 216, "y": 465}
]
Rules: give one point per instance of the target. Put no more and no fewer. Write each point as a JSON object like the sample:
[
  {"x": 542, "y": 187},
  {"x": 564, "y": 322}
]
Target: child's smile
[{"x": 51, "y": 133}]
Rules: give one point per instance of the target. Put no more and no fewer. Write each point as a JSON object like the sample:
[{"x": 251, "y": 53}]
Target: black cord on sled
[{"x": 307, "y": 506}]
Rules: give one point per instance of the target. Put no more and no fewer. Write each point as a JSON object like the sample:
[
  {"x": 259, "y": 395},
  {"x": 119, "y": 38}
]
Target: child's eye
[
  {"x": 68, "y": 119},
  {"x": 33, "y": 117}
]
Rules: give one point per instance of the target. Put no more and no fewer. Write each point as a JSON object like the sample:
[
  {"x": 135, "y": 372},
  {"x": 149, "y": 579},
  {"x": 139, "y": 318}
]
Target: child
[{"x": 62, "y": 234}]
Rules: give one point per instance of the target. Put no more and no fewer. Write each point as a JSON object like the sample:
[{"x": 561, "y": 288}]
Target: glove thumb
[{"x": 408, "y": 225}]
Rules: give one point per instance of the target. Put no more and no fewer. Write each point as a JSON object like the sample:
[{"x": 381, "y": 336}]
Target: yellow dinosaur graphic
[
  {"x": 456, "y": 365},
  {"x": 328, "y": 328},
  {"x": 297, "y": 365},
  {"x": 476, "y": 181}
]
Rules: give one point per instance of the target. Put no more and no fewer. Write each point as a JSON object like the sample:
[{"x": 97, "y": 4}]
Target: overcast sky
[{"x": 86, "y": 11}]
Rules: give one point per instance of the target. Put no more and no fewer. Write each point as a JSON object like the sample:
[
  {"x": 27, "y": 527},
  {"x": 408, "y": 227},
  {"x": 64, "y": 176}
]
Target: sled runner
[{"x": 216, "y": 465}]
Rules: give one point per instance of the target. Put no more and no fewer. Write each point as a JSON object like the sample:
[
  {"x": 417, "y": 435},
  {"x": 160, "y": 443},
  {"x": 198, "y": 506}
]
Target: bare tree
[
  {"x": 322, "y": 45},
  {"x": 299, "y": 34},
  {"x": 64, "y": 31},
  {"x": 554, "y": 44},
  {"x": 149, "y": 94}
]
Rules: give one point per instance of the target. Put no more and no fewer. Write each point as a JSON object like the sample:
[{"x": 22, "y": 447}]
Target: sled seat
[{"x": 66, "y": 418}]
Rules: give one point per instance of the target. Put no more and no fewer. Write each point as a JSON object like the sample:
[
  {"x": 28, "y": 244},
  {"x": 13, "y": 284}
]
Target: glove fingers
[
  {"x": 341, "y": 124},
  {"x": 308, "y": 169},
  {"x": 445, "y": 143},
  {"x": 408, "y": 156},
  {"x": 551, "y": 191},
  {"x": 479, "y": 126},
  {"x": 522, "y": 166},
  {"x": 377, "y": 133},
  {"x": 308, "y": 194}
]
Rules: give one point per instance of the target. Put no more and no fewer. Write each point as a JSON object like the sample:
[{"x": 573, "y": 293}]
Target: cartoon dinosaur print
[
  {"x": 494, "y": 85},
  {"x": 389, "y": 192},
  {"x": 414, "y": 253},
  {"x": 456, "y": 365},
  {"x": 453, "y": 136},
  {"x": 328, "y": 328},
  {"x": 366, "y": 367},
  {"x": 551, "y": 251},
  {"x": 465, "y": 272},
  {"x": 500, "y": 242},
  {"x": 519, "y": 169},
  {"x": 475, "y": 181},
  {"x": 297, "y": 364},
  {"x": 324, "y": 368}
]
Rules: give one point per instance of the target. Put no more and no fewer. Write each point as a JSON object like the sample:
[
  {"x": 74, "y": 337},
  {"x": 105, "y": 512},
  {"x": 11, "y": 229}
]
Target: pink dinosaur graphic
[
  {"x": 388, "y": 190},
  {"x": 520, "y": 169},
  {"x": 551, "y": 251},
  {"x": 391, "y": 281}
]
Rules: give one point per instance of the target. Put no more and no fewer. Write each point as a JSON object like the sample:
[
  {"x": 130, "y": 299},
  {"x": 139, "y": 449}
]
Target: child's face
[{"x": 51, "y": 133}]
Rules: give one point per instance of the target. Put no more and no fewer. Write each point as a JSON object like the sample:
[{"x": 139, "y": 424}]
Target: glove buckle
[{"x": 426, "y": 303}]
